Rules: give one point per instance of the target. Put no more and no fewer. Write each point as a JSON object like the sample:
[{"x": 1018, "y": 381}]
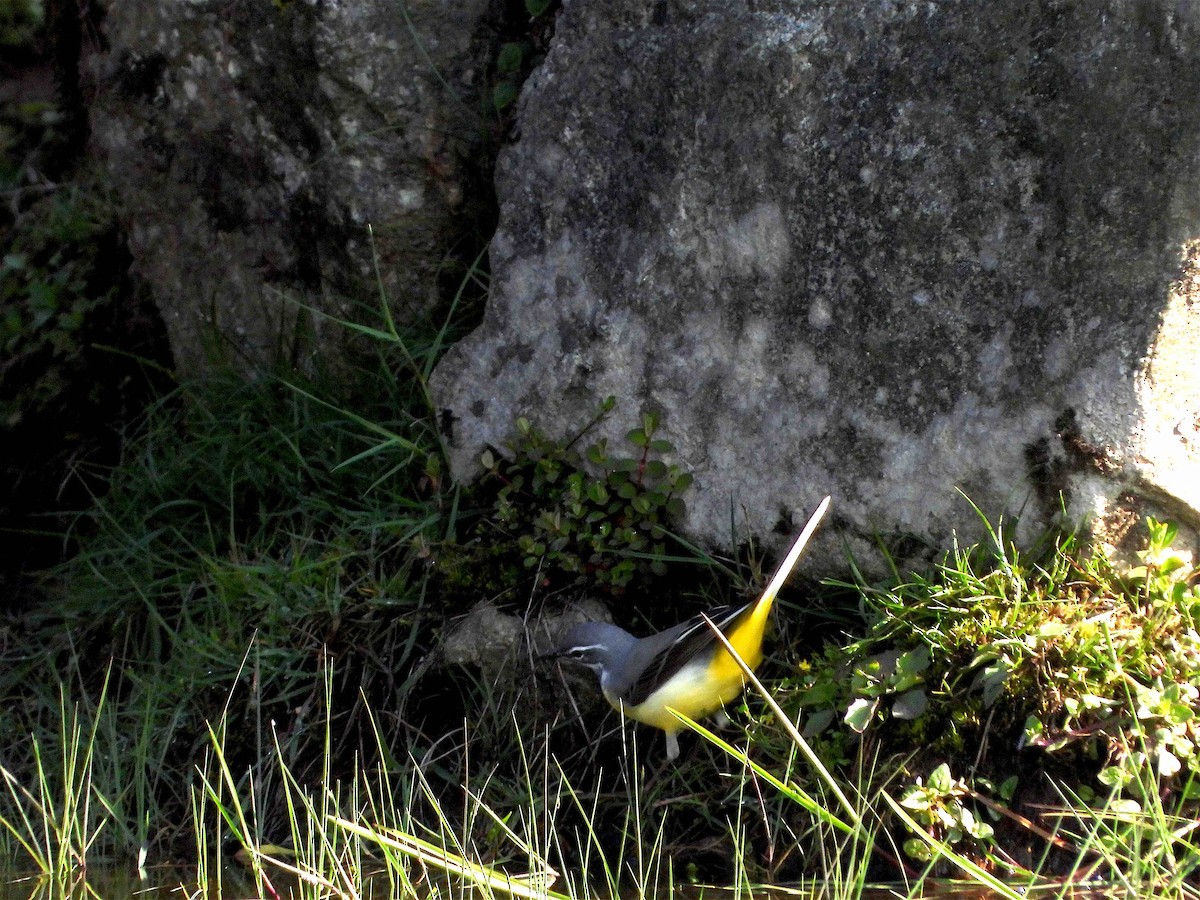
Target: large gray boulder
[
  {"x": 251, "y": 144},
  {"x": 881, "y": 250}
]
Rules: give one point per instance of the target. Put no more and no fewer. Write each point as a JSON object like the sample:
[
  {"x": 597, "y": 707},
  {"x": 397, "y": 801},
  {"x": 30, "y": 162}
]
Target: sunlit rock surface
[{"x": 879, "y": 250}]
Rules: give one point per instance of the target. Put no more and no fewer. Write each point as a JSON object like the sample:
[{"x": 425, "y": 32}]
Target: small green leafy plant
[
  {"x": 518, "y": 57},
  {"x": 1141, "y": 662},
  {"x": 597, "y": 516},
  {"x": 49, "y": 296},
  {"x": 895, "y": 684},
  {"x": 941, "y": 805},
  {"x": 21, "y": 22}
]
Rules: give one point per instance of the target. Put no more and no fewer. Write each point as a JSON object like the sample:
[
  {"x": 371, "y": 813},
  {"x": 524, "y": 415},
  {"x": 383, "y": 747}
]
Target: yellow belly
[{"x": 700, "y": 689}]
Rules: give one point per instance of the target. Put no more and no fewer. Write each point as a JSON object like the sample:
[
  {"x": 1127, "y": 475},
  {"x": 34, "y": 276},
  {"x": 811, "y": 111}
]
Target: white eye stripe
[{"x": 586, "y": 648}]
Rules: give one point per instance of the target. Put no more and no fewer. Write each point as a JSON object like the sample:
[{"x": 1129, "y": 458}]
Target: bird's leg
[
  {"x": 672, "y": 746},
  {"x": 721, "y": 719}
]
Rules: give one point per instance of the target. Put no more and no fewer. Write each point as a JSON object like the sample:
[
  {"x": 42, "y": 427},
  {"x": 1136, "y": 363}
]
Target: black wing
[{"x": 681, "y": 644}]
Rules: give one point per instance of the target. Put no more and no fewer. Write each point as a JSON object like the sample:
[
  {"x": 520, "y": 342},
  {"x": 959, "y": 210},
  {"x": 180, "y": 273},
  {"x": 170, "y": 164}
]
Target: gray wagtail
[{"x": 684, "y": 668}]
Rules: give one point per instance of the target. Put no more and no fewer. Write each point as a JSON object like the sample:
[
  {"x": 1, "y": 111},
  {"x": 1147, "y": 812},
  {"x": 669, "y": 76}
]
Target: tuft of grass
[
  {"x": 264, "y": 514},
  {"x": 1005, "y": 679},
  {"x": 58, "y": 817}
]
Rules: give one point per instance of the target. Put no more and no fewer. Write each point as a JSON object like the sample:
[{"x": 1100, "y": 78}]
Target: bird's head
[{"x": 592, "y": 644}]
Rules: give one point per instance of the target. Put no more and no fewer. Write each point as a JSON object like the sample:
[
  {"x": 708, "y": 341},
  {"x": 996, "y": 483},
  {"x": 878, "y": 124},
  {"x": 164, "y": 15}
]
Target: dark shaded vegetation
[{"x": 81, "y": 348}]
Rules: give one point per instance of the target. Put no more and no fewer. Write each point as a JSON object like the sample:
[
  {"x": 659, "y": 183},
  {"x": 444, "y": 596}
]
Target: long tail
[{"x": 763, "y": 607}]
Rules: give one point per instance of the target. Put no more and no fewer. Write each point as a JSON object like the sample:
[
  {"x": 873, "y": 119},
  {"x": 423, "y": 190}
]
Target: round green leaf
[
  {"x": 503, "y": 95},
  {"x": 510, "y": 58}
]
